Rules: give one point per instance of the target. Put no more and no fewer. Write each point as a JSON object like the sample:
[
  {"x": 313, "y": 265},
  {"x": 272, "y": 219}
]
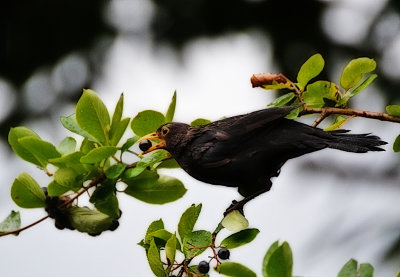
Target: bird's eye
[{"x": 164, "y": 130}]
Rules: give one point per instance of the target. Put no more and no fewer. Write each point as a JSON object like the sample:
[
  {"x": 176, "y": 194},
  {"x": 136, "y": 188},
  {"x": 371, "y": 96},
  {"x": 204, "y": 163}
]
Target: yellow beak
[{"x": 151, "y": 136}]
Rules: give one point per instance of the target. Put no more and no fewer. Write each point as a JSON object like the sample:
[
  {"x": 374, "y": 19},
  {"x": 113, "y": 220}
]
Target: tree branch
[{"x": 350, "y": 112}]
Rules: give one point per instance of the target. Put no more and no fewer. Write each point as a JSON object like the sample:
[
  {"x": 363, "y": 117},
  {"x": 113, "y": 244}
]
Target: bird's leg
[{"x": 238, "y": 205}]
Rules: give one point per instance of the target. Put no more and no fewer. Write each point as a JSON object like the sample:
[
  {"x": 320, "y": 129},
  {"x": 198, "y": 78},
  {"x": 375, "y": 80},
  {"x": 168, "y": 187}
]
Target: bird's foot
[{"x": 236, "y": 206}]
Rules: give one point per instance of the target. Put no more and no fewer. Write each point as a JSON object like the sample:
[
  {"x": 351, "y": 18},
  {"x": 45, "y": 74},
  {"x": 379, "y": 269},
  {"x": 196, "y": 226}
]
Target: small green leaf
[
  {"x": 67, "y": 146},
  {"x": 235, "y": 221},
  {"x": 26, "y": 193},
  {"x": 355, "y": 70},
  {"x": 147, "y": 160},
  {"x": 170, "y": 249},
  {"x": 89, "y": 221},
  {"x": 105, "y": 200},
  {"x": 41, "y": 150},
  {"x": 278, "y": 261},
  {"x": 146, "y": 122},
  {"x": 196, "y": 243},
  {"x": 282, "y": 100},
  {"x": 164, "y": 236},
  {"x": 188, "y": 220},
  {"x": 69, "y": 160},
  {"x": 54, "y": 189},
  {"x": 115, "y": 171},
  {"x": 129, "y": 143},
  {"x": 396, "y": 144},
  {"x": 117, "y": 133},
  {"x": 154, "y": 226},
  {"x": 87, "y": 146},
  {"x": 98, "y": 154},
  {"x": 355, "y": 91},
  {"x": 66, "y": 177},
  {"x": 235, "y": 270},
  {"x": 171, "y": 109},
  {"x": 310, "y": 69},
  {"x": 200, "y": 122},
  {"x": 293, "y": 114},
  {"x": 168, "y": 163},
  {"x": 349, "y": 269},
  {"x": 92, "y": 116},
  {"x": 316, "y": 93},
  {"x": 393, "y": 110},
  {"x": 116, "y": 118},
  {"x": 339, "y": 122},
  {"x": 153, "y": 257},
  {"x": 366, "y": 270},
  {"x": 240, "y": 238},
  {"x": 11, "y": 223},
  {"x": 69, "y": 123},
  {"x": 13, "y": 139},
  {"x": 163, "y": 190}
]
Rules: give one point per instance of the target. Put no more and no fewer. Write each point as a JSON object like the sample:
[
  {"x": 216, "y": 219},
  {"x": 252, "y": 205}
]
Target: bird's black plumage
[{"x": 245, "y": 151}]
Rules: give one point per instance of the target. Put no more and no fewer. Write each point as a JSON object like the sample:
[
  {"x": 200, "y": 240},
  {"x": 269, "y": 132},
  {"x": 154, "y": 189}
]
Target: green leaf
[
  {"x": 240, "y": 238},
  {"x": 116, "y": 118},
  {"x": 235, "y": 270},
  {"x": 396, "y": 144},
  {"x": 170, "y": 249},
  {"x": 147, "y": 160},
  {"x": 67, "y": 146},
  {"x": 70, "y": 123},
  {"x": 393, "y": 110},
  {"x": 87, "y": 146},
  {"x": 163, "y": 190},
  {"x": 195, "y": 243},
  {"x": 55, "y": 189},
  {"x": 105, "y": 200},
  {"x": 235, "y": 221},
  {"x": 67, "y": 177},
  {"x": 146, "y": 122},
  {"x": 164, "y": 236},
  {"x": 355, "y": 70},
  {"x": 310, "y": 69},
  {"x": 119, "y": 131},
  {"x": 129, "y": 143},
  {"x": 366, "y": 270},
  {"x": 115, "y": 171},
  {"x": 154, "y": 226},
  {"x": 278, "y": 261},
  {"x": 188, "y": 220},
  {"x": 267, "y": 256},
  {"x": 98, "y": 154},
  {"x": 355, "y": 91},
  {"x": 339, "y": 121},
  {"x": 41, "y": 150},
  {"x": 13, "y": 139},
  {"x": 200, "y": 122},
  {"x": 26, "y": 193},
  {"x": 169, "y": 116},
  {"x": 92, "y": 116},
  {"x": 316, "y": 93},
  {"x": 168, "y": 163},
  {"x": 282, "y": 100},
  {"x": 11, "y": 223},
  {"x": 349, "y": 269},
  {"x": 293, "y": 114},
  {"x": 72, "y": 160},
  {"x": 89, "y": 221},
  {"x": 153, "y": 257}
]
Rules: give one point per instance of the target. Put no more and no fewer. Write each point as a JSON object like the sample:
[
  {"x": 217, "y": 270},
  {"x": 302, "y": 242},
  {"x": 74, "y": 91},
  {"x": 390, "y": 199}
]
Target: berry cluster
[
  {"x": 55, "y": 210},
  {"x": 204, "y": 266}
]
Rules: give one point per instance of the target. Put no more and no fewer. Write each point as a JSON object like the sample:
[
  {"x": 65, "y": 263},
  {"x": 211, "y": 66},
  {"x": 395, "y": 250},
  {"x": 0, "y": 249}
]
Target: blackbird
[{"x": 246, "y": 151}]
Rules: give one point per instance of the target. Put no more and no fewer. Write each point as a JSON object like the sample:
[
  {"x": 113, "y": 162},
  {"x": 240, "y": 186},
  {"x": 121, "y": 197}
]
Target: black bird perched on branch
[{"x": 245, "y": 151}]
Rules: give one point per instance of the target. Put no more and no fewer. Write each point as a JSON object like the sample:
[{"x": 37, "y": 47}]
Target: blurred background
[{"x": 330, "y": 206}]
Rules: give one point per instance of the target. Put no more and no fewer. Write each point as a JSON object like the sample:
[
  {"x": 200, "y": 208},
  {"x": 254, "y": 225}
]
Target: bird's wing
[{"x": 221, "y": 141}]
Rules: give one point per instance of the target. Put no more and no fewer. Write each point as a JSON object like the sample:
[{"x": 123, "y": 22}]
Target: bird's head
[{"x": 169, "y": 136}]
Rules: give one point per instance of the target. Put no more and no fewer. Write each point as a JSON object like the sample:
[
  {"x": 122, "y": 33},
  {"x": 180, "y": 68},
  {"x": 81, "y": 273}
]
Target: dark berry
[
  {"x": 223, "y": 254},
  {"x": 203, "y": 267},
  {"x": 145, "y": 145}
]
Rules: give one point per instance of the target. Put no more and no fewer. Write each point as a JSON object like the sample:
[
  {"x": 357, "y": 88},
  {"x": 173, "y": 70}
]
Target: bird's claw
[{"x": 235, "y": 206}]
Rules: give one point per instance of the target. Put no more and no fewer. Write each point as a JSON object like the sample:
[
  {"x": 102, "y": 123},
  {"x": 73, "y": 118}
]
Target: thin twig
[{"x": 350, "y": 112}]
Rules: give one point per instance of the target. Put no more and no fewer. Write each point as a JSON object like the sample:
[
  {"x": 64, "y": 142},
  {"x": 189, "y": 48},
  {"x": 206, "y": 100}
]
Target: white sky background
[{"x": 319, "y": 215}]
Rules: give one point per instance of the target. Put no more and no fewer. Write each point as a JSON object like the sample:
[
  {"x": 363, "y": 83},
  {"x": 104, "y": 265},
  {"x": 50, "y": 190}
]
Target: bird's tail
[{"x": 357, "y": 143}]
